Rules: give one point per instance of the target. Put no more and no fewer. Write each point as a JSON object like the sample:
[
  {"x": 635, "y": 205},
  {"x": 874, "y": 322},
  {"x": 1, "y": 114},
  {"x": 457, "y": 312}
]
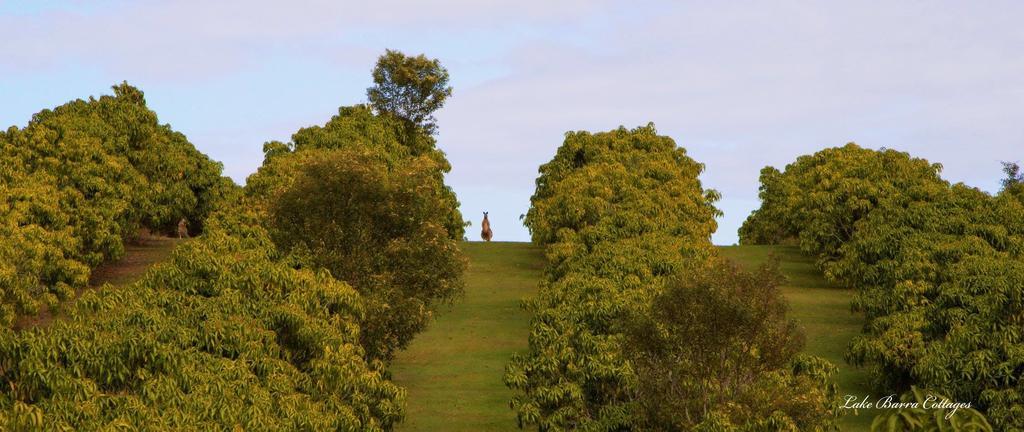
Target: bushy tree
[
  {"x": 389, "y": 224},
  {"x": 1013, "y": 183},
  {"x": 411, "y": 88},
  {"x": 378, "y": 226},
  {"x": 221, "y": 337},
  {"x": 819, "y": 198},
  {"x": 620, "y": 213},
  {"x": 79, "y": 180},
  {"x": 716, "y": 348},
  {"x": 620, "y": 184},
  {"x": 358, "y": 128},
  {"x": 936, "y": 268},
  {"x": 940, "y": 286}
]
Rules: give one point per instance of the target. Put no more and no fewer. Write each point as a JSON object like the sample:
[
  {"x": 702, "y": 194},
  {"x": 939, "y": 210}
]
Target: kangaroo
[
  {"x": 182, "y": 228},
  {"x": 485, "y": 231}
]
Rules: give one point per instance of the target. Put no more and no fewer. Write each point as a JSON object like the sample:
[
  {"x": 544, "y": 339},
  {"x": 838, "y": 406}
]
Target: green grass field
[{"x": 453, "y": 371}]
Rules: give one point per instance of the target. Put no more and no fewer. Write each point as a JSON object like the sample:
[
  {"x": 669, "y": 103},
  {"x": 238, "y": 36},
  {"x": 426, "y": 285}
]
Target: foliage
[
  {"x": 78, "y": 181},
  {"x": 379, "y": 229},
  {"x": 716, "y": 344},
  {"x": 819, "y": 198},
  {"x": 922, "y": 414},
  {"x": 620, "y": 213},
  {"x": 358, "y": 128},
  {"x": 1013, "y": 183},
  {"x": 411, "y": 88},
  {"x": 941, "y": 286},
  {"x": 378, "y": 226},
  {"x": 620, "y": 184},
  {"x": 937, "y": 268},
  {"x": 363, "y": 196},
  {"x": 221, "y": 337}
]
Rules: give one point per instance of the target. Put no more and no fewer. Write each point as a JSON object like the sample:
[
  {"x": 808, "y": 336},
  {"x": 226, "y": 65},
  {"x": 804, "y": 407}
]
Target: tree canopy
[
  {"x": 378, "y": 226},
  {"x": 622, "y": 215},
  {"x": 411, "y": 88},
  {"x": 79, "y": 180},
  {"x": 936, "y": 267}
]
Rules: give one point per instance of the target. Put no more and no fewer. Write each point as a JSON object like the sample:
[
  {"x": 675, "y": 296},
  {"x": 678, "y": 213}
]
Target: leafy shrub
[
  {"x": 621, "y": 214},
  {"x": 926, "y": 417},
  {"x": 358, "y": 128},
  {"x": 937, "y": 268},
  {"x": 716, "y": 344},
  {"x": 377, "y": 226},
  {"x": 819, "y": 198},
  {"x": 221, "y": 336},
  {"x": 388, "y": 227},
  {"x": 940, "y": 284},
  {"x": 78, "y": 181}
]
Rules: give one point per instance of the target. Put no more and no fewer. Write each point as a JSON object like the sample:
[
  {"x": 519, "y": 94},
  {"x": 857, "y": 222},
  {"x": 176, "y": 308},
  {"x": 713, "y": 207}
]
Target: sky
[{"x": 740, "y": 85}]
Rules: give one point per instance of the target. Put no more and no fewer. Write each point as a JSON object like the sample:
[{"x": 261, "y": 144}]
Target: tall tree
[
  {"x": 409, "y": 87},
  {"x": 1013, "y": 184}
]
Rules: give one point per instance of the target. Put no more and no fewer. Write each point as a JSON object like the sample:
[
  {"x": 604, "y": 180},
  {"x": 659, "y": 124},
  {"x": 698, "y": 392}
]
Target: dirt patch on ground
[{"x": 140, "y": 254}]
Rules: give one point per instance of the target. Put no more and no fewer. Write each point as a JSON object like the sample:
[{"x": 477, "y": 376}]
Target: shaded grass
[
  {"x": 453, "y": 371},
  {"x": 823, "y": 312}
]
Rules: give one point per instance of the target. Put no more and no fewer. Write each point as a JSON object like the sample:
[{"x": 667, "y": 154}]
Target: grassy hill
[{"x": 453, "y": 371}]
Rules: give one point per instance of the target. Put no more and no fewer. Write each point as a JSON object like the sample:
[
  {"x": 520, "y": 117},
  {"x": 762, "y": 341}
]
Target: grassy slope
[
  {"x": 453, "y": 371},
  {"x": 824, "y": 313}
]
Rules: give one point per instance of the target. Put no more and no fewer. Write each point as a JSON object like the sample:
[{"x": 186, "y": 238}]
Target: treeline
[
  {"x": 937, "y": 267},
  {"x": 81, "y": 179},
  {"x": 284, "y": 314},
  {"x": 638, "y": 325}
]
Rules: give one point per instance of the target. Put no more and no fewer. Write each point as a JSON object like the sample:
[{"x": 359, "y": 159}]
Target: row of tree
[
  {"x": 284, "y": 313},
  {"x": 80, "y": 180},
  {"x": 638, "y": 324},
  {"x": 937, "y": 266}
]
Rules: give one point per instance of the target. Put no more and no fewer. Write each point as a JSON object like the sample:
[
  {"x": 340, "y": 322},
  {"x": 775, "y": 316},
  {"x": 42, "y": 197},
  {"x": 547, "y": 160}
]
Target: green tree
[
  {"x": 621, "y": 214},
  {"x": 358, "y": 128},
  {"x": 1013, "y": 183},
  {"x": 936, "y": 267},
  {"x": 818, "y": 199},
  {"x": 411, "y": 88},
  {"x": 716, "y": 347},
  {"x": 79, "y": 180},
  {"x": 378, "y": 226},
  {"x": 222, "y": 336}
]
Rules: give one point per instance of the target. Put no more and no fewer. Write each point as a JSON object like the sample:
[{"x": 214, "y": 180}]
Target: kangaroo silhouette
[{"x": 485, "y": 229}]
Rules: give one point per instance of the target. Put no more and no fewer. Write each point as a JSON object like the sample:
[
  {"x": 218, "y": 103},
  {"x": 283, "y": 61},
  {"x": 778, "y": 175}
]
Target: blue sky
[{"x": 740, "y": 85}]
